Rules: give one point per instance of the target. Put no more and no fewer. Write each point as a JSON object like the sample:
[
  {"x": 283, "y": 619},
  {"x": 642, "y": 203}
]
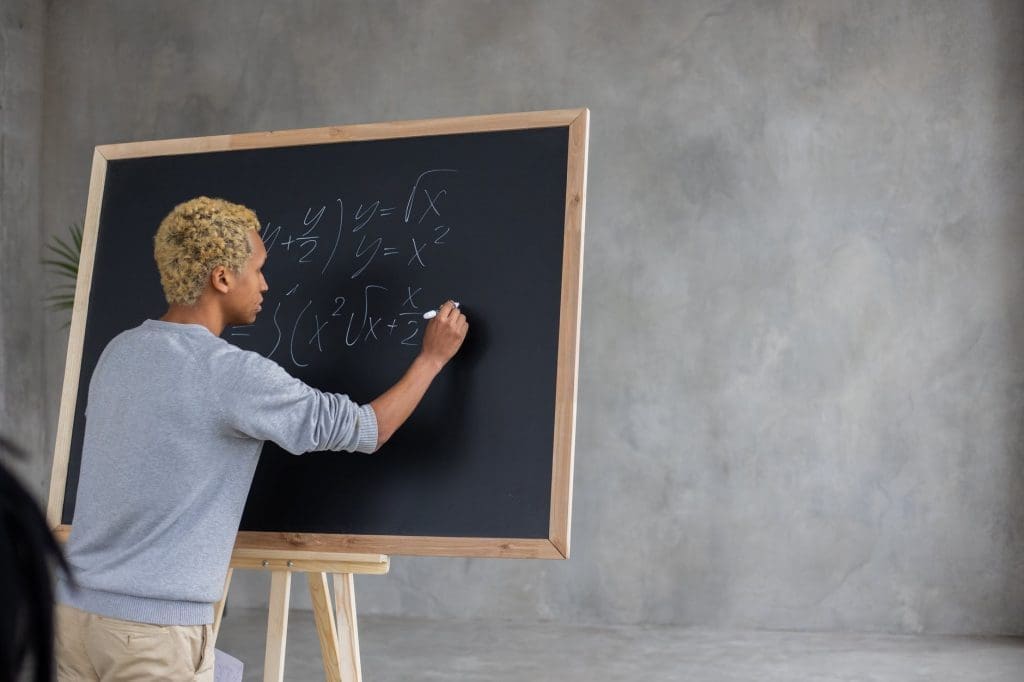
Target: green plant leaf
[
  {"x": 64, "y": 265},
  {"x": 76, "y": 251},
  {"x": 63, "y": 250},
  {"x": 54, "y": 250},
  {"x": 69, "y": 269}
]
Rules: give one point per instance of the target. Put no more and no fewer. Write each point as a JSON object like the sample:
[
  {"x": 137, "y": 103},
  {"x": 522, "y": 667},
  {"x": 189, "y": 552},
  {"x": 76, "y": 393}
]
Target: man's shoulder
[
  {"x": 227, "y": 358},
  {"x": 155, "y": 336},
  {"x": 150, "y": 328},
  {"x": 123, "y": 341},
  {"x": 210, "y": 354},
  {"x": 231, "y": 355}
]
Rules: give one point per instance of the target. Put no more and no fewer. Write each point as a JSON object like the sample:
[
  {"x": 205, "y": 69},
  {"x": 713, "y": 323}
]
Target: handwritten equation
[{"x": 329, "y": 256}]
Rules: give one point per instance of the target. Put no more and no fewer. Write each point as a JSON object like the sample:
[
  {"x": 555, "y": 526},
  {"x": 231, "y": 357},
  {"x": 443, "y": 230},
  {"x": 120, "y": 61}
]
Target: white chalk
[{"x": 431, "y": 314}]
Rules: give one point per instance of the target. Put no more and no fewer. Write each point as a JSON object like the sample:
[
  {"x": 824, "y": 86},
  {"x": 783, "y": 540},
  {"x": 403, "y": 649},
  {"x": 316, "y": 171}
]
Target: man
[{"x": 175, "y": 421}]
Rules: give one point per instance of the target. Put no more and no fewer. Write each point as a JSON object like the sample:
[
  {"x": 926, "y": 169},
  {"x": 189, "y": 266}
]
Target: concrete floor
[{"x": 402, "y": 650}]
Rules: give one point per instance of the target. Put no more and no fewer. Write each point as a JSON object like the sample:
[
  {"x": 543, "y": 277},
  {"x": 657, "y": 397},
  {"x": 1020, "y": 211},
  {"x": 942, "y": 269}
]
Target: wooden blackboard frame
[{"x": 556, "y": 546}]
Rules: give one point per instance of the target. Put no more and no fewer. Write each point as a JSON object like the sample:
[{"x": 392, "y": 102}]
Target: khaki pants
[{"x": 91, "y": 647}]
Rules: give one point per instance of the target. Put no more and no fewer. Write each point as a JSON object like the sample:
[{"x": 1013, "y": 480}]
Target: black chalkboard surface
[{"x": 366, "y": 228}]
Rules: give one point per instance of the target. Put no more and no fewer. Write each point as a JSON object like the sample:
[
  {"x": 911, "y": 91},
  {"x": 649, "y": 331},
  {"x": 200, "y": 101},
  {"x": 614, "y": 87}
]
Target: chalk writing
[{"x": 358, "y": 296}]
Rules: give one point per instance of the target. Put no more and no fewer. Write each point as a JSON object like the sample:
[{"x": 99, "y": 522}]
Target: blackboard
[{"x": 367, "y": 227}]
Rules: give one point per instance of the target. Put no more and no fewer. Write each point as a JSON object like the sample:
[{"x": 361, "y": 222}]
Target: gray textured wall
[
  {"x": 23, "y": 416},
  {"x": 801, "y": 383}
]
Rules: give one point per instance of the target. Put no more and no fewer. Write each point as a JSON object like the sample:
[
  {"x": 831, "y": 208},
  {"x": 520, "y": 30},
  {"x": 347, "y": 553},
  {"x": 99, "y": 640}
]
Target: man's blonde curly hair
[{"x": 194, "y": 238}]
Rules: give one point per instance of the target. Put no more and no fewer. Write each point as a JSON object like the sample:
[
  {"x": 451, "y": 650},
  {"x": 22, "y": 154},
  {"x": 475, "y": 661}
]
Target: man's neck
[{"x": 196, "y": 314}]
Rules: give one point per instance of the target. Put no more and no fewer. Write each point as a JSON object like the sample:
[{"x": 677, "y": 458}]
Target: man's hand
[
  {"x": 445, "y": 334},
  {"x": 443, "y": 338}
]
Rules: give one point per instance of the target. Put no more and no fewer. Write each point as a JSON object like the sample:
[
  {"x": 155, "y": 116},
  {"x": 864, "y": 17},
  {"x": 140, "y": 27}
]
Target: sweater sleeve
[{"x": 259, "y": 399}]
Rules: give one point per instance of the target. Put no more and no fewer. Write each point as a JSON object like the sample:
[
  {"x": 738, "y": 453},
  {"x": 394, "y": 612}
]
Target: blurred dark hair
[{"x": 28, "y": 551}]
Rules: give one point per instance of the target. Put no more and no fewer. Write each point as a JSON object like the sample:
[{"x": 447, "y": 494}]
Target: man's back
[{"x": 175, "y": 421}]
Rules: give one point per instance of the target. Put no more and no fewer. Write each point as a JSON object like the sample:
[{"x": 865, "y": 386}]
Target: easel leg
[
  {"x": 336, "y": 627},
  {"x": 348, "y": 629},
  {"x": 326, "y": 628},
  {"x": 277, "y": 626}
]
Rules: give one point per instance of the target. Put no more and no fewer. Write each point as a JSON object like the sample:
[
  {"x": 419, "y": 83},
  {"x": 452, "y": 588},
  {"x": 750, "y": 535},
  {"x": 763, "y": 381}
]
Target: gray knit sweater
[{"x": 175, "y": 421}]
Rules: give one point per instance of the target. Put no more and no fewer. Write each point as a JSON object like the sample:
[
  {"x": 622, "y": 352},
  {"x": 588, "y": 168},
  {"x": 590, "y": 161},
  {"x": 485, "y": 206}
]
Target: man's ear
[{"x": 220, "y": 279}]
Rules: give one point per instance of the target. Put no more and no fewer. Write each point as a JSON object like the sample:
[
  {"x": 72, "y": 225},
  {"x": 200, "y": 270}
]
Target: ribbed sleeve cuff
[{"x": 367, "y": 429}]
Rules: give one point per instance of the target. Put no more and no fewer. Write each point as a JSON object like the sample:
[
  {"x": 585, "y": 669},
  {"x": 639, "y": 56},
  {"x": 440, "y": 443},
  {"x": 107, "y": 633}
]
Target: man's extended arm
[{"x": 445, "y": 334}]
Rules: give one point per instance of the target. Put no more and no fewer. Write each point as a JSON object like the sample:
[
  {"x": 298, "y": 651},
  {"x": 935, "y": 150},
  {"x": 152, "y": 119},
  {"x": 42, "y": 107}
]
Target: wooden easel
[{"x": 336, "y": 626}]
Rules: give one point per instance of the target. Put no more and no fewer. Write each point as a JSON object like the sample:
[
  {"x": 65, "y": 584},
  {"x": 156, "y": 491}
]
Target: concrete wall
[
  {"x": 23, "y": 417},
  {"x": 802, "y": 378}
]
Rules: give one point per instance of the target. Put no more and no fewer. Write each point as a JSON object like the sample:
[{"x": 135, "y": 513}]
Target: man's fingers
[{"x": 446, "y": 309}]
